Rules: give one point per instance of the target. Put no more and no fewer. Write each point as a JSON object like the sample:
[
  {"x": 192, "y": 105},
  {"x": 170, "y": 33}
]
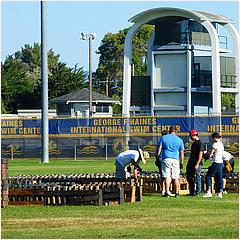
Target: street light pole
[
  {"x": 44, "y": 79},
  {"x": 89, "y": 37},
  {"x": 90, "y": 77}
]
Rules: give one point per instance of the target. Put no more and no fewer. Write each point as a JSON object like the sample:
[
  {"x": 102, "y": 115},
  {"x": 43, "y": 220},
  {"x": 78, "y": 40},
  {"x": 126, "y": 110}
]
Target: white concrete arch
[
  {"x": 216, "y": 76},
  {"x": 150, "y": 69},
  {"x": 201, "y": 17},
  {"x": 236, "y": 40},
  {"x": 127, "y": 68}
]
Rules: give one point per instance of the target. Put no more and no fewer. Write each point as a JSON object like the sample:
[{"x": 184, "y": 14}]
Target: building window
[
  {"x": 63, "y": 109},
  {"x": 83, "y": 107},
  {"x": 102, "y": 109},
  {"x": 202, "y": 72},
  {"x": 228, "y": 72}
]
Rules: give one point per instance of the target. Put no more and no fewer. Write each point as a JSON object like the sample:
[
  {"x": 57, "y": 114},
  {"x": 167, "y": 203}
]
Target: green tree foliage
[
  {"x": 111, "y": 53},
  {"x": 16, "y": 84},
  {"x": 140, "y": 47},
  {"x": 117, "y": 109},
  {"x": 64, "y": 80},
  {"x": 21, "y": 78},
  {"x": 111, "y": 60},
  {"x": 228, "y": 101}
]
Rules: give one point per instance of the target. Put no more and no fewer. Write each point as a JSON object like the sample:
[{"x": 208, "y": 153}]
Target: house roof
[{"x": 82, "y": 95}]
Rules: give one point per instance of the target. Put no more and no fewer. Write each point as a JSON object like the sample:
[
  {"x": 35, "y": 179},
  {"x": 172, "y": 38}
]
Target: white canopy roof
[{"x": 196, "y": 15}]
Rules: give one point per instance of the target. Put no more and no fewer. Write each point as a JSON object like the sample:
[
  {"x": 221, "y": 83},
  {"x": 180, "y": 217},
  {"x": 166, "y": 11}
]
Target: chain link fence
[{"x": 93, "y": 149}]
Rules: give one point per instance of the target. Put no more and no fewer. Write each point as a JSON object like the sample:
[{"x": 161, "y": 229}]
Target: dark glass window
[
  {"x": 102, "y": 108},
  {"x": 63, "y": 109}
]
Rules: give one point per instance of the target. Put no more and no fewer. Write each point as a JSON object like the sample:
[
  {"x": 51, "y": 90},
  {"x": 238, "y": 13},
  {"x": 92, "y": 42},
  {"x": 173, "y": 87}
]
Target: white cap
[{"x": 144, "y": 155}]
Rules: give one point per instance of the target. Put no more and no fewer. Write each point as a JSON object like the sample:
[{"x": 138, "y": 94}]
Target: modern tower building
[{"x": 189, "y": 64}]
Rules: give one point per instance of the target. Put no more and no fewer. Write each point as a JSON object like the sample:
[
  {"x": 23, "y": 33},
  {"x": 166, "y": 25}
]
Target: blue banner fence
[{"x": 77, "y": 138}]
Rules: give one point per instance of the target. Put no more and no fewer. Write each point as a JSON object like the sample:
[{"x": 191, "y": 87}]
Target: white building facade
[{"x": 188, "y": 64}]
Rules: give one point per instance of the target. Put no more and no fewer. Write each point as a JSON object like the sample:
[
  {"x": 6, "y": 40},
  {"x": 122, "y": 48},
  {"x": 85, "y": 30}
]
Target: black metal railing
[
  {"x": 228, "y": 81},
  {"x": 205, "y": 81}
]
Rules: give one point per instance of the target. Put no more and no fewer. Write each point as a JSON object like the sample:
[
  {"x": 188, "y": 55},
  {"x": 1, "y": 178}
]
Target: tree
[
  {"x": 228, "y": 101},
  {"x": 21, "y": 78},
  {"x": 117, "y": 109},
  {"x": 111, "y": 58},
  {"x": 140, "y": 48},
  {"x": 17, "y": 84},
  {"x": 64, "y": 80}
]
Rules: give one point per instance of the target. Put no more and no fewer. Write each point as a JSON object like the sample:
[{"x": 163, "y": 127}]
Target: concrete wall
[
  {"x": 169, "y": 113},
  {"x": 170, "y": 82},
  {"x": 169, "y": 98},
  {"x": 170, "y": 70}
]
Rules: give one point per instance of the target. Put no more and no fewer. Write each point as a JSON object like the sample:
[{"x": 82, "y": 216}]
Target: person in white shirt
[
  {"x": 216, "y": 156},
  {"x": 127, "y": 158}
]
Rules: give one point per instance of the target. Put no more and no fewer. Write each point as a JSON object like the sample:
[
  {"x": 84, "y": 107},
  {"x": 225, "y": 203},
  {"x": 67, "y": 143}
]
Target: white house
[{"x": 76, "y": 104}]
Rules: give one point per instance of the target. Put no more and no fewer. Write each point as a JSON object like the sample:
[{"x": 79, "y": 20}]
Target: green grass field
[
  {"x": 30, "y": 167},
  {"x": 154, "y": 217}
]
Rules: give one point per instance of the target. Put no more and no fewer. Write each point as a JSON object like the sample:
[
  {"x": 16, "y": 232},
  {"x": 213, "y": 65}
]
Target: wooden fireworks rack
[
  {"x": 86, "y": 189},
  {"x": 73, "y": 189}
]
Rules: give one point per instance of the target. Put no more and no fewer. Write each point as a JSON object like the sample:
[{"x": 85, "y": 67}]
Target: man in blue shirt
[{"x": 171, "y": 146}]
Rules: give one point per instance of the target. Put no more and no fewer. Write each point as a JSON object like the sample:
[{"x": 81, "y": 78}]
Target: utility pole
[
  {"x": 44, "y": 78},
  {"x": 89, "y": 37},
  {"x": 107, "y": 86}
]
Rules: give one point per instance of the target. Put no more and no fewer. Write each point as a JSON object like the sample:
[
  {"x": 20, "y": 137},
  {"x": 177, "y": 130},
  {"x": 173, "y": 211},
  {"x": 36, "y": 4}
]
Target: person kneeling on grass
[
  {"x": 216, "y": 156},
  {"x": 127, "y": 158}
]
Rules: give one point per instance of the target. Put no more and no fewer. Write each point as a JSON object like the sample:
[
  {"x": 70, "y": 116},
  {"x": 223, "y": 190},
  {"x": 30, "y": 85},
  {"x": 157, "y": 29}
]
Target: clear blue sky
[{"x": 66, "y": 20}]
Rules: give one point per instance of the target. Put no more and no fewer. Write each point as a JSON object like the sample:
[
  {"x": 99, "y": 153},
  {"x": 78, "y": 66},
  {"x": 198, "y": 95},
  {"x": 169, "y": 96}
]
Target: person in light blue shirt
[{"x": 170, "y": 147}]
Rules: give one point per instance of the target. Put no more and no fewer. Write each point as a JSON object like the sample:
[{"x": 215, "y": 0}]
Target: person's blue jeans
[
  {"x": 198, "y": 180},
  {"x": 215, "y": 170},
  {"x": 194, "y": 177}
]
